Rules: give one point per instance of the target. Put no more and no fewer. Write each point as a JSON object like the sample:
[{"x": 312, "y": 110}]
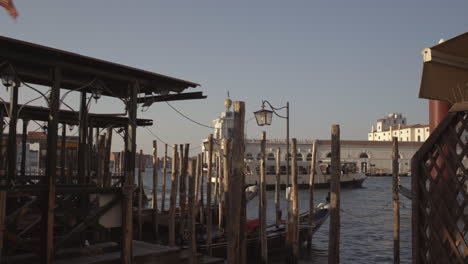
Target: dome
[{"x": 227, "y": 103}]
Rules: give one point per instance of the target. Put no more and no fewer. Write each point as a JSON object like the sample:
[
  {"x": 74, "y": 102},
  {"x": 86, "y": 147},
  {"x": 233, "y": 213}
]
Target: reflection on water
[{"x": 366, "y": 222}]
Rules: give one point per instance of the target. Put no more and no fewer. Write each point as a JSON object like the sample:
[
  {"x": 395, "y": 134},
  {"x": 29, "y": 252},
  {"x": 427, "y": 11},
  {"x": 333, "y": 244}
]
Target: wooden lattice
[{"x": 440, "y": 197}]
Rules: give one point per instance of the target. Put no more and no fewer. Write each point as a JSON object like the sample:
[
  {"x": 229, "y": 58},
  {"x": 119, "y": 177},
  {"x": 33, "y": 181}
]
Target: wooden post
[
  {"x": 128, "y": 187},
  {"x": 90, "y": 154},
  {"x": 197, "y": 182},
  {"x": 155, "y": 190},
  {"x": 293, "y": 221},
  {"x": 396, "y": 203},
  {"x": 163, "y": 195},
  {"x": 173, "y": 198},
  {"x": 236, "y": 221},
  {"x": 311, "y": 192},
  {"x": 221, "y": 190},
  {"x": 334, "y": 232},
  {"x": 48, "y": 200},
  {"x": 3, "y": 193},
  {"x": 226, "y": 174},
  {"x": 183, "y": 190},
  {"x": 11, "y": 143},
  {"x": 181, "y": 179},
  {"x": 278, "y": 187},
  {"x": 263, "y": 202},
  {"x": 140, "y": 194},
  {"x": 192, "y": 211},
  {"x": 209, "y": 220},
  {"x": 101, "y": 161},
  {"x": 108, "y": 143},
  {"x": 63, "y": 150},
  {"x": 202, "y": 190},
  {"x": 23, "y": 148}
]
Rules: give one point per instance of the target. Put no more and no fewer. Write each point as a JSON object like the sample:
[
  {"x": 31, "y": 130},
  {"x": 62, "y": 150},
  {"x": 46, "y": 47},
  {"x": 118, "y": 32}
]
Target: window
[
  {"x": 271, "y": 156},
  {"x": 299, "y": 157},
  {"x": 248, "y": 156},
  {"x": 419, "y": 138},
  {"x": 309, "y": 157},
  {"x": 229, "y": 133},
  {"x": 329, "y": 153},
  {"x": 363, "y": 155}
]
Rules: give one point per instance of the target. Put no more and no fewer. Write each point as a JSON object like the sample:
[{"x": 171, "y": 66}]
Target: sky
[{"x": 336, "y": 62}]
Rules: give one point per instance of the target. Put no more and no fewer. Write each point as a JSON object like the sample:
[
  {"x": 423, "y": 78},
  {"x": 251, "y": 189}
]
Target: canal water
[{"x": 366, "y": 221}]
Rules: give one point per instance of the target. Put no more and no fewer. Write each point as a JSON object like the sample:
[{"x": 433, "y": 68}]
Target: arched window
[
  {"x": 248, "y": 156},
  {"x": 309, "y": 157},
  {"x": 329, "y": 155},
  {"x": 299, "y": 157},
  {"x": 271, "y": 156},
  {"x": 363, "y": 155},
  {"x": 419, "y": 138}
]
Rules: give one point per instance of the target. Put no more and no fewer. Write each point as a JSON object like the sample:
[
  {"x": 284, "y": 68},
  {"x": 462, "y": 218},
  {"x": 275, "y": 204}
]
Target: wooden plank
[
  {"x": 192, "y": 212},
  {"x": 163, "y": 195},
  {"x": 236, "y": 220},
  {"x": 140, "y": 195},
  {"x": 396, "y": 203},
  {"x": 209, "y": 215},
  {"x": 155, "y": 190},
  {"x": 173, "y": 197},
  {"x": 334, "y": 232},
  {"x": 278, "y": 188},
  {"x": 293, "y": 216},
  {"x": 311, "y": 192},
  {"x": 263, "y": 202},
  {"x": 48, "y": 200}
]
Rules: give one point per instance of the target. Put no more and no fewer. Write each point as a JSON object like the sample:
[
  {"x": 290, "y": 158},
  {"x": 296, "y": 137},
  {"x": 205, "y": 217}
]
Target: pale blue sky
[{"x": 346, "y": 62}]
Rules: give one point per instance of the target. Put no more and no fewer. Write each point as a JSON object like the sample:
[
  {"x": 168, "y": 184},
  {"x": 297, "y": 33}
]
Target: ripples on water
[{"x": 366, "y": 222}]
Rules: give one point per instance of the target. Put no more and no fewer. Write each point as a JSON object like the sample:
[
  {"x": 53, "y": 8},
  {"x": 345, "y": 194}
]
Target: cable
[{"x": 188, "y": 118}]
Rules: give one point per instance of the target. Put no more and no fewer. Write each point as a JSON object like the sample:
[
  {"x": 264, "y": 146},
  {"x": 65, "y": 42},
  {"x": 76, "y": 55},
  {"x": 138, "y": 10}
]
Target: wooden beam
[
  {"x": 108, "y": 144},
  {"x": 148, "y": 100},
  {"x": 83, "y": 135},
  {"x": 173, "y": 197},
  {"x": 48, "y": 201}
]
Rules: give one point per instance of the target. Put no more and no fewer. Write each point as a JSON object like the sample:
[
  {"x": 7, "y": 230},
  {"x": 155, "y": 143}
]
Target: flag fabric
[{"x": 10, "y": 7}]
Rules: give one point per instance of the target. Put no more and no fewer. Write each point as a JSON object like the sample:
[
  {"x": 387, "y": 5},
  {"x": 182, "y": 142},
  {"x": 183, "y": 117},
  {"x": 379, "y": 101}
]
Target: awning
[{"x": 445, "y": 71}]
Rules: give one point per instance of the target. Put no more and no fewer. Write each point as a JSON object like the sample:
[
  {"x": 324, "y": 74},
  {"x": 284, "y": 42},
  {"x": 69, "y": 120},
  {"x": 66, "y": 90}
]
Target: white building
[{"x": 394, "y": 125}]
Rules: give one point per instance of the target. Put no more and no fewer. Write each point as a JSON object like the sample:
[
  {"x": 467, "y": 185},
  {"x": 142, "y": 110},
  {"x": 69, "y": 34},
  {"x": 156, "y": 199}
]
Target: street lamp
[{"x": 264, "y": 117}]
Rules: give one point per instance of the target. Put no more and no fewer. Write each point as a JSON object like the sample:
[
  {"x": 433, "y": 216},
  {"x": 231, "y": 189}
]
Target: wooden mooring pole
[
  {"x": 311, "y": 193},
  {"x": 221, "y": 190},
  {"x": 236, "y": 251},
  {"x": 278, "y": 188},
  {"x": 396, "y": 203},
  {"x": 173, "y": 198},
  {"x": 334, "y": 232},
  {"x": 293, "y": 216},
  {"x": 183, "y": 190},
  {"x": 155, "y": 190},
  {"x": 226, "y": 174},
  {"x": 140, "y": 194},
  {"x": 163, "y": 195},
  {"x": 209, "y": 220},
  {"x": 192, "y": 166},
  {"x": 202, "y": 189},
  {"x": 263, "y": 202}
]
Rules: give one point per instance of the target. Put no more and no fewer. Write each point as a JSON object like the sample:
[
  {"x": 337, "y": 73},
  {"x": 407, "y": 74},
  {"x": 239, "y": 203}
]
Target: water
[{"x": 366, "y": 222}]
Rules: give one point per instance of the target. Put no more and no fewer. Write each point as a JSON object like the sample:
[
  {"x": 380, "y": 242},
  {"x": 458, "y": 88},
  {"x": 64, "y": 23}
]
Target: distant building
[{"x": 394, "y": 125}]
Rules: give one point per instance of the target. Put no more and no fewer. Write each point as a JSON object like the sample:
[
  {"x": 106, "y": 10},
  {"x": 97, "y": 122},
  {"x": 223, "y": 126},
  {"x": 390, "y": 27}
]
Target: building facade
[{"x": 395, "y": 125}]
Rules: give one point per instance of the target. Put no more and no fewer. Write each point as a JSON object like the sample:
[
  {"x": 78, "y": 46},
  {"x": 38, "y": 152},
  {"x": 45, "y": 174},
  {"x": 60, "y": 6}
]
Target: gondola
[{"x": 276, "y": 236}]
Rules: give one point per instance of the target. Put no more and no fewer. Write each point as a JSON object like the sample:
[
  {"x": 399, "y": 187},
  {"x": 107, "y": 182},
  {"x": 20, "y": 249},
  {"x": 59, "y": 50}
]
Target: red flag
[{"x": 10, "y": 7}]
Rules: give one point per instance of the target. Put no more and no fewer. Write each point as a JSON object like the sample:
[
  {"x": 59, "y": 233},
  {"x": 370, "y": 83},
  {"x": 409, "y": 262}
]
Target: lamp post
[{"x": 264, "y": 117}]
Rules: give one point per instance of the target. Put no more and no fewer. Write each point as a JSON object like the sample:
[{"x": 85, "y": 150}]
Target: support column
[
  {"x": 48, "y": 201},
  {"x": 23, "y": 147},
  {"x": 11, "y": 147},
  {"x": 83, "y": 133},
  {"x": 437, "y": 112},
  {"x": 130, "y": 151},
  {"x": 63, "y": 152},
  {"x": 3, "y": 194}
]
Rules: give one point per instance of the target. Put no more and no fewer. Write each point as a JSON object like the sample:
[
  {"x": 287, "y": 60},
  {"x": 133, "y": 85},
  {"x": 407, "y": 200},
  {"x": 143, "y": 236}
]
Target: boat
[
  {"x": 405, "y": 192},
  {"x": 276, "y": 235},
  {"x": 350, "y": 176}
]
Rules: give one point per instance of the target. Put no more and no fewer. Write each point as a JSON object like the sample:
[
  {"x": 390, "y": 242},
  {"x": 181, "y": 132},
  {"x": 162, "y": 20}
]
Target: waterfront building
[{"x": 395, "y": 125}]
